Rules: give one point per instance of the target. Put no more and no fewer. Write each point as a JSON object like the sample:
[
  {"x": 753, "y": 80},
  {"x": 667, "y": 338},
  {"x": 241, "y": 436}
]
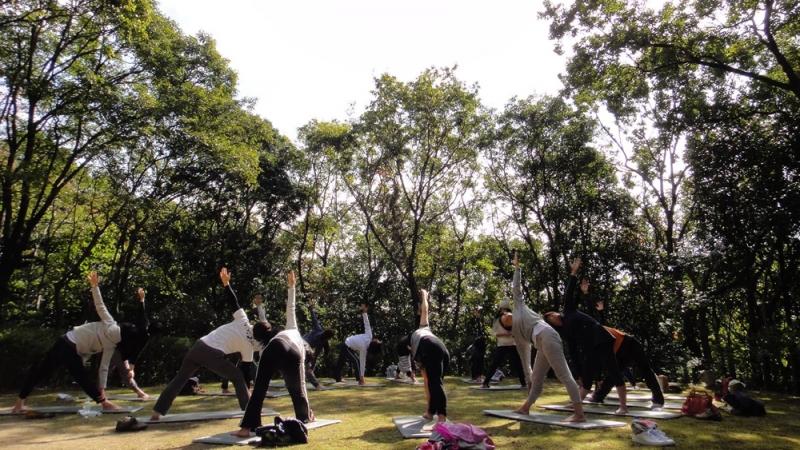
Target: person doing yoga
[
  {"x": 74, "y": 349},
  {"x": 361, "y": 343},
  {"x": 529, "y": 328},
  {"x": 210, "y": 350},
  {"x": 317, "y": 339},
  {"x": 584, "y": 334},
  {"x": 285, "y": 353}
]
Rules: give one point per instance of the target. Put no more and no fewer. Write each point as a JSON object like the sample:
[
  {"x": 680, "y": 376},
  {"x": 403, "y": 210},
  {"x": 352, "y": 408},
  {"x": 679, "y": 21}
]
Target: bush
[{"x": 23, "y": 348}]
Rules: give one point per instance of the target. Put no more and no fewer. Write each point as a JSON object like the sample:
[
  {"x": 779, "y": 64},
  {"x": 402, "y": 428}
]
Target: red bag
[{"x": 697, "y": 402}]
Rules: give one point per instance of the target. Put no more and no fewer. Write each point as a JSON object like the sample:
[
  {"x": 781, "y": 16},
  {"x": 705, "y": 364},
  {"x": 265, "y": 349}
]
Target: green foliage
[{"x": 26, "y": 347}]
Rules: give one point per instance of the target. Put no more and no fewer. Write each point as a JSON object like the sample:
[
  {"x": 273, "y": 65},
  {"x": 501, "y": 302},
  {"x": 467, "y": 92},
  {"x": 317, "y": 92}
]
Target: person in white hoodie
[
  {"x": 210, "y": 350},
  {"x": 286, "y": 353},
  {"x": 361, "y": 343},
  {"x": 74, "y": 349},
  {"x": 530, "y": 328}
]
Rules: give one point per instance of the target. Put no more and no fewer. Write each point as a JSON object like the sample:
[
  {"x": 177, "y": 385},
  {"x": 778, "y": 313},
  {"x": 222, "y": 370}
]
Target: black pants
[
  {"x": 281, "y": 356},
  {"x": 62, "y": 352},
  {"x": 435, "y": 359},
  {"x": 631, "y": 352},
  {"x": 346, "y": 353},
  {"x": 236, "y": 360},
  {"x": 476, "y": 367},
  {"x": 500, "y": 355},
  {"x": 601, "y": 355}
]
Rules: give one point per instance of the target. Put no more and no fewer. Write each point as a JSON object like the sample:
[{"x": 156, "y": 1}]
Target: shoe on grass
[{"x": 646, "y": 432}]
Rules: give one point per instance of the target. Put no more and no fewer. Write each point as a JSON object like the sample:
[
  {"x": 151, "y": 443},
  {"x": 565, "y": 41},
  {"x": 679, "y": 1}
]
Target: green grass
[{"x": 366, "y": 416}]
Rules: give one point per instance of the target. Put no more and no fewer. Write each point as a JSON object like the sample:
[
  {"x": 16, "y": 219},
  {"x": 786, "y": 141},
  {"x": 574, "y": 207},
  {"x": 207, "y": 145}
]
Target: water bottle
[{"x": 87, "y": 406}]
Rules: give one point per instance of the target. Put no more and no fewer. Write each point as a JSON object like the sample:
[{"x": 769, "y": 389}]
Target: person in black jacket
[{"x": 587, "y": 338}]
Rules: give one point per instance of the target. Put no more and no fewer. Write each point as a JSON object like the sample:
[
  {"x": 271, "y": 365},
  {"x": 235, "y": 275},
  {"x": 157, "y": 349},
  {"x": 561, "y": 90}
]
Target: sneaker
[
  {"x": 646, "y": 432},
  {"x": 657, "y": 407}
]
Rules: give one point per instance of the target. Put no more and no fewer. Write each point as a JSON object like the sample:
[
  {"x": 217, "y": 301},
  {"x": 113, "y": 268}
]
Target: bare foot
[
  {"x": 226, "y": 391},
  {"x": 144, "y": 396},
  {"x": 156, "y": 416},
  {"x": 522, "y": 411},
  {"x": 575, "y": 418},
  {"x": 427, "y": 416},
  {"x": 21, "y": 409},
  {"x": 320, "y": 388},
  {"x": 244, "y": 432},
  {"x": 108, "y": 406},
  {"x": 622, "y": 411}
]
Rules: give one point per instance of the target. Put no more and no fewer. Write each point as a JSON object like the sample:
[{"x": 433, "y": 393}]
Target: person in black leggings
[
  {"x": 584, "y": 334},
  {"x": 286, "y": 353},
  {"x": 432, "y": 355}
]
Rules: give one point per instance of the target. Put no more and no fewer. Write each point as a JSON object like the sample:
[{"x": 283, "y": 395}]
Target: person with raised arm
[
  {"x": 317, "y": 339},
  {"x": 530, "y": 329},
  {"x": 236, "y": 358},
  {"x": 361, "y": 343},
  {"x": 628, "y": 351},
  {"x": 585, "y": 334},
  {"x": 285, "y": 353},
  {"x": 505, "y": 350},
  {"x": 210, "y": 352},
  {"x": 134, "y": 340},
  {"x": 74, "y": 349},
  {"x": 433, "y": 358}
]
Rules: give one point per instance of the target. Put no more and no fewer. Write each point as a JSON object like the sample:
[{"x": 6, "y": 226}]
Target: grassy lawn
[{"x": 366, "y": 416}]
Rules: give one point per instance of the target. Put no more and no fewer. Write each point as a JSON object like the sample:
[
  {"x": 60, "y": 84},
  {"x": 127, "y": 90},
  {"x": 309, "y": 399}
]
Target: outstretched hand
[
  {"x": 363, "y": 308},
  {"x": 585, "y": 286},
  {"x": 516, "y": 260},
  {"x": 291, "y": 279},
  {"x": 225, "y": 276},
  {"x": 140, "y": 291},
  {"x": 423, "y": 293},
  {"x": 93, "y": 278},
  {"x": 257, "y": 300},
  {"x": 600, "y": 306},
  {"x": 576, "y": 264}
]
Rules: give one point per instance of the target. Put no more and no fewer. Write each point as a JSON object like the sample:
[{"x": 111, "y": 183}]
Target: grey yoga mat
[
  {"x": 554, "y": 419},
  {"x": 71, "y": 410},
  {"x": 646, "y": 405},
  {"x": 233, "y": 394},
  {"x": 647, "y": 397},
  {"x": 227, "y": 439},
  {"x": 506, "y": 387},
  {"x": 471, "y": 381},
  {"x": 198, "y": 416},
  {"x": 405, "y": 381},
  {"x": 127, "y": 398},
  {"x": 411, "y": 427},
  {"x": 612, "y": 411},
  {"x": 355, "y": 384}
]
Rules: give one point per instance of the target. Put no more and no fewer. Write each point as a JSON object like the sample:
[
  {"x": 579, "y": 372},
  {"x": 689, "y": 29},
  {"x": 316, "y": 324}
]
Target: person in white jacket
[
  {"x": 210, "y": 350},
  {"x": 530, "y": 328},
  {"x": 74, "y": 349},
  {"x": 361, "y": 343},
  {"x": 285, "y": 353}
]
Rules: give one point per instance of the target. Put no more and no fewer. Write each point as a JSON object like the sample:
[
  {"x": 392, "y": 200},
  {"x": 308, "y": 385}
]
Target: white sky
[{"x": 307, "y": 59}]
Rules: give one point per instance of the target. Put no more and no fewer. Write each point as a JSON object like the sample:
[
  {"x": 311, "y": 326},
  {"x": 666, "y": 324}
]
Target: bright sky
[{"x": 313, "y": 59}]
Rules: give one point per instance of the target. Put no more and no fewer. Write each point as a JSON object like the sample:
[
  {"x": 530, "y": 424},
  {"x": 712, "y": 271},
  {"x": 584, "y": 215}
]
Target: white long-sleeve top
[
  {"x": 291, "y": 335},
  {"x": 526, "y": 325},
  {"x": 261, "y": 316},
  {"x": 504, "y": 337},
  {"x": 96, "y": 337},
  {"x": 360, "y": 343},
  {"x": 233, "y": 337}
]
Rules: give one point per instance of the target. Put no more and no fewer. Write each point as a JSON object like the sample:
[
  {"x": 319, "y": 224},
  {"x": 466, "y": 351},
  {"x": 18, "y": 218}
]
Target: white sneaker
[
  {"x": 646, "y": 432},
  {"x": 657, "y": 407}
]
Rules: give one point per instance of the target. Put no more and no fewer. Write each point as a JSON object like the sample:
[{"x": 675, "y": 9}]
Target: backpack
[{"x": 286, "y": 431}]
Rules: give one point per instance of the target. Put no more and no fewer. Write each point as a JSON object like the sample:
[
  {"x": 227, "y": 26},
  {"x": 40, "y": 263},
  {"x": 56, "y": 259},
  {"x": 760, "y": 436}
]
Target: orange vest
[{"x": 618, "y": 335}]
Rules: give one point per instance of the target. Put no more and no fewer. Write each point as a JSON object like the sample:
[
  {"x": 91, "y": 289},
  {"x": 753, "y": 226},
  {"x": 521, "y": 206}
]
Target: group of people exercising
[{"x": 294, "y": 356}]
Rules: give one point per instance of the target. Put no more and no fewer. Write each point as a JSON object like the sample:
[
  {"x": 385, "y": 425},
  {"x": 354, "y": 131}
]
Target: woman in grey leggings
[{"x": 529, "y": 328}]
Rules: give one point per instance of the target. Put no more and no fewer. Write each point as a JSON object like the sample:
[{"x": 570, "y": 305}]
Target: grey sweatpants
[
  {"x": 201, "y": 355},
  {"x": 119, "y": 364},
  {"x": 550, "y": 353}
]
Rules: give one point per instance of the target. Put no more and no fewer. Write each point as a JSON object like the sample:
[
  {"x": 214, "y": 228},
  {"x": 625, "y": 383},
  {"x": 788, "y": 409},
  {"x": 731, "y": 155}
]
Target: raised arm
[
  {"x": 423, "y": 308},
  {"x": 516, "y": 288},
  {"x": 367, "y": 328},
  {"x": 570, "y": 304},
  {"x": 291, "y": 319},
  {"x": 314, "y": 322},
  {"x": 596, "y": 309},
  {"x": 105, "y": 316},
  {"x": 260, "y": 309},
  {"x": 230, "y": 296},
  {"x": 143, "y": 323}
]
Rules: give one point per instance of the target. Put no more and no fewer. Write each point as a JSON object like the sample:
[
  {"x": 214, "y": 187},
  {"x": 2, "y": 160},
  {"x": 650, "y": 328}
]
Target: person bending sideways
[
  {"x": 434, "y": 359},
  {"x": 317, "y": 339},
  {"x": 529, "y": 328},
  {"x": 584, "y": 334},
  {"x": 506, "y": 350},
  {"x": 361, "y": 343},
  {"x": 74, "y": 349},
  {"x": 236, "y": 336},
  {"x": 127, "y": 353},
  {"x": 286, "y": 353},
  {"x": 236, "y": 358}
]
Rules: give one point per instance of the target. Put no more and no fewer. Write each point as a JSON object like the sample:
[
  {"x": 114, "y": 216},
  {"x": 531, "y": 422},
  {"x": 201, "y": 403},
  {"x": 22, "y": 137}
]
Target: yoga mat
[
  {"x": 471, "y": 381},
  {"x": 647, "y": 397},
  {"x": 635, "y": 404},
  {"x": 227, "y": 439},
  {"x": 127, "y": 398},
  {"x": 210, "y": 415},
  {"x": 355, "y": 384},
  {"x": 554, "y": 419},
  {"x": 71, "y": 410},
  {"x": 233, "y": 394},
  {"x": 405, "y": 381},
  {"x": 600, "y": 410},
  {"x": 410, "y": 427},
  {"x": 507, "y": 387}
]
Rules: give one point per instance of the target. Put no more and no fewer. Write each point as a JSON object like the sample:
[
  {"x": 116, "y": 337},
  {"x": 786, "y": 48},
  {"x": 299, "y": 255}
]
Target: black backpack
[{"x": 286, "y": 431}]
